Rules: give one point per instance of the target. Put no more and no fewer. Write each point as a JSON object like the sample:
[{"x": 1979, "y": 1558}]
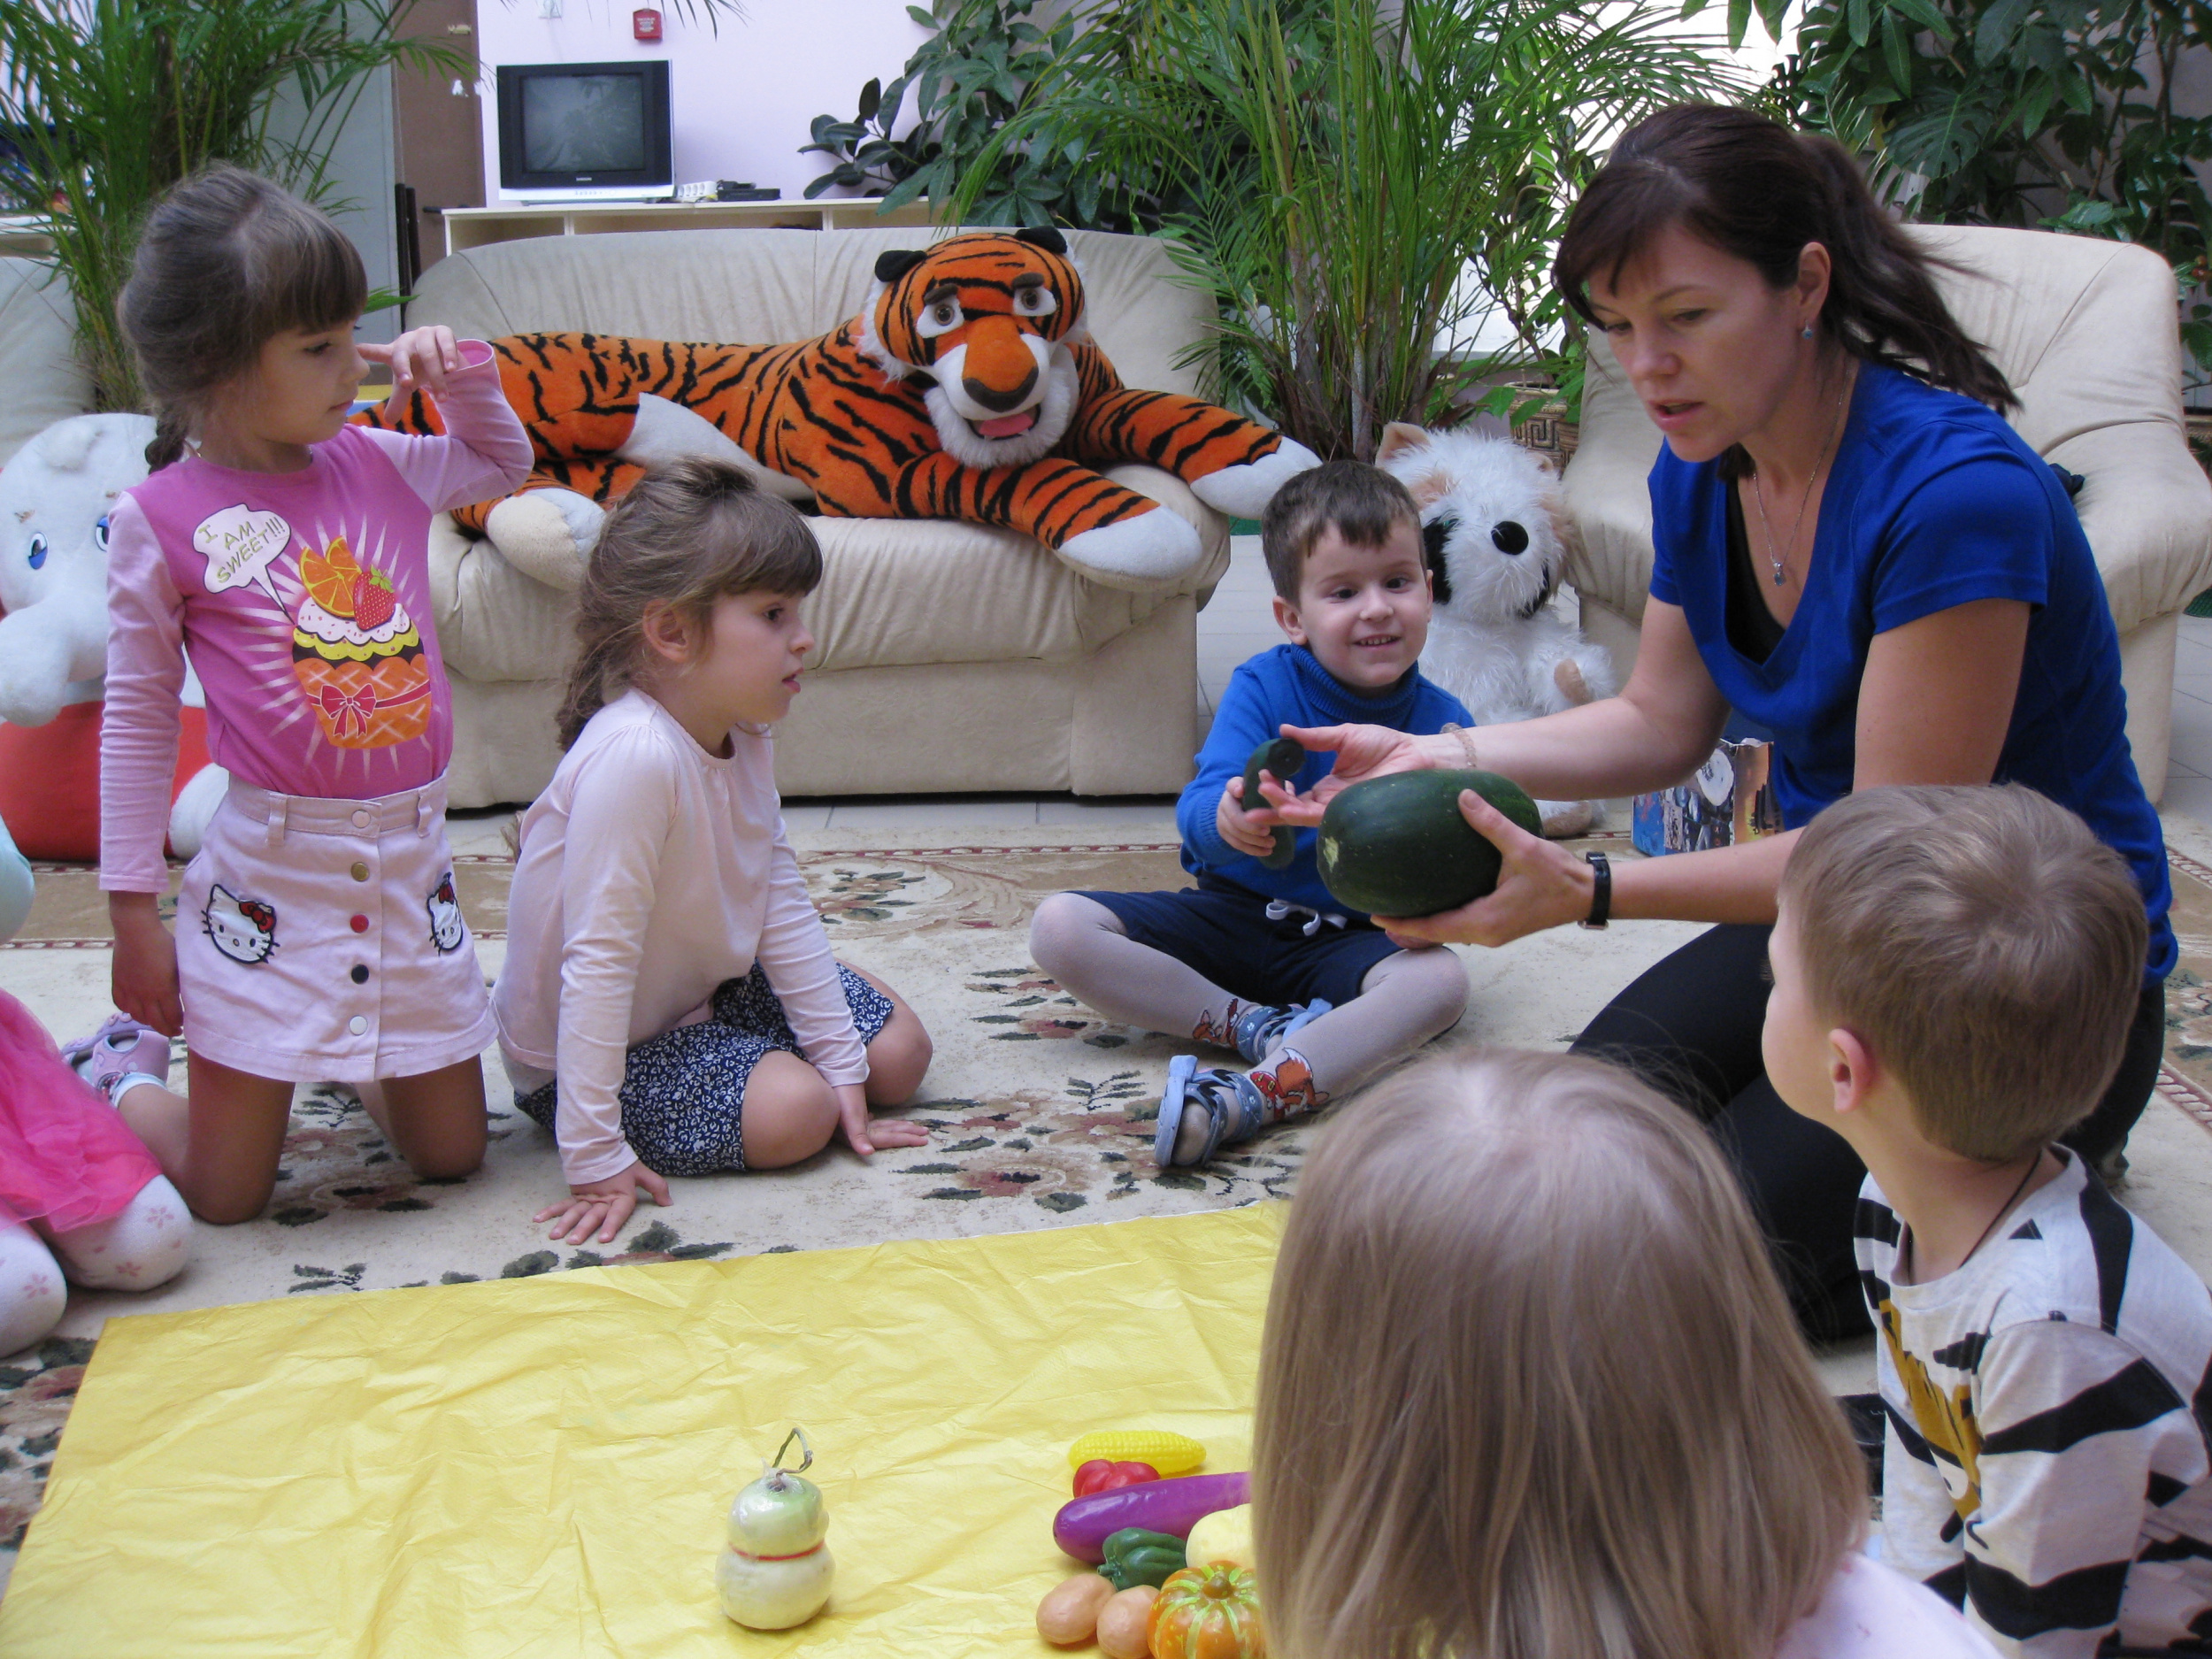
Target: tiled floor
[{"x": 2189, "y": 776}]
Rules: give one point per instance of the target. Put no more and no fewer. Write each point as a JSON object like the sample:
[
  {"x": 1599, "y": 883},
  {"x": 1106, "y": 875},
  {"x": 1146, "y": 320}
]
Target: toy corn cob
[{"x": 1170, "y": 1453}]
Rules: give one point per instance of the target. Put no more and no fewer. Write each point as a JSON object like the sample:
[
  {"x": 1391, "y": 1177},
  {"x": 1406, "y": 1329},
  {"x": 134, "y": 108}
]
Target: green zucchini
[
  {"x": 1282, "y": 756},
  {"x": 1397, "y": 845}
]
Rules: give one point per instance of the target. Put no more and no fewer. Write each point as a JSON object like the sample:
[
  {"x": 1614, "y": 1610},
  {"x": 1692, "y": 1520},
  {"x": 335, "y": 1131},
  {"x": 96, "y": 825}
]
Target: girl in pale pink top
[
  {"x": 1530, "y": 1389},
  {"x": 668, "y": 1005},
  {"x": 318, "y": 934}
]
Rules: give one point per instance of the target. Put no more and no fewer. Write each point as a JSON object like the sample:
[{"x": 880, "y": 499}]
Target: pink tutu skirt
[{"x": 66, "y": 1157}]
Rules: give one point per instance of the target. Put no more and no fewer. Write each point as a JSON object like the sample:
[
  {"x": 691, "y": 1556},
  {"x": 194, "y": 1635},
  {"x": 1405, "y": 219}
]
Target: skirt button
[
  {"x": 360, "y": 871},
  {"x": 361, "y": 818},
  {"x": 356, "y": 1024},
  {"x": 359, "y": 924},
  {"x": 360, "y": 973}
]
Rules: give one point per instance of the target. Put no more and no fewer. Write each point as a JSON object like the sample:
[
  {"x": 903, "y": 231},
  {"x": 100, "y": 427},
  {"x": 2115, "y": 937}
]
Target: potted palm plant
[{"x": 1372, "y": 190}]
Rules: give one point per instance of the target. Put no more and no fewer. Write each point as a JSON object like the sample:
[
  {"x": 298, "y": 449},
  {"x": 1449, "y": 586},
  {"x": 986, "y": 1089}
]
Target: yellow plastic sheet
[{"x": 542, "y": 1466}]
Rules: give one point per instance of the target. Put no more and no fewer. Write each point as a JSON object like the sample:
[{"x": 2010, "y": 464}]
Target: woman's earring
[{"x": 1808, "y": 333}]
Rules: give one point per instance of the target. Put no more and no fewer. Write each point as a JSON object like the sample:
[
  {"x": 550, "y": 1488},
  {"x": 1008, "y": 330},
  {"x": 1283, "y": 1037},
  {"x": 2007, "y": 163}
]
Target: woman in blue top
[{"x": 1851, "y": 547}]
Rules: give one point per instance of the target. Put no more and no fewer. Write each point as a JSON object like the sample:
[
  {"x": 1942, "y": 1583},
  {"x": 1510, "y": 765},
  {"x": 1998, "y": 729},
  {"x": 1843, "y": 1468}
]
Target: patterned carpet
[{"x": 1041, "y": 1113}]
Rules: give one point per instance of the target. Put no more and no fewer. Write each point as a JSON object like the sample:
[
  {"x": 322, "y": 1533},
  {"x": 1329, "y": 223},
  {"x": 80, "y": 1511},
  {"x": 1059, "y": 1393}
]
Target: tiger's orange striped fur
[{"x": 862, "y": 416}]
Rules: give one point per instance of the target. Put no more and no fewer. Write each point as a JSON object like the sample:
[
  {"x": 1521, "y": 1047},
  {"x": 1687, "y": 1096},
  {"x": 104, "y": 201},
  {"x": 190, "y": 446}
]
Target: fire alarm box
[{"x": 645, "y": 24}]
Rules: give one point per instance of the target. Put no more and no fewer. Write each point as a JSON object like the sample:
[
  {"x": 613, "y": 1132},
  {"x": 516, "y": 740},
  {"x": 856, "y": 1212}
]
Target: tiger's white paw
[
  {"x": 547, "y": 535},
  {"x": 665, "y": 432},
  {"x": 1149, "y": 550},
  {"x": 1243, "y": 492}
]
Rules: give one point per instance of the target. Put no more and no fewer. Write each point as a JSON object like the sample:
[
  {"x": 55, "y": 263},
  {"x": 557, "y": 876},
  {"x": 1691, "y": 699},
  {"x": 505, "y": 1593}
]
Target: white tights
[{"x": 143, "y": 1245}]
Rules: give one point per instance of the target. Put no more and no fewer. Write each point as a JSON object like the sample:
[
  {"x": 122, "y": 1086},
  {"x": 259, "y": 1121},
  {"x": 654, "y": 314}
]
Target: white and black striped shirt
[{"x": 2047, "y": 1466}]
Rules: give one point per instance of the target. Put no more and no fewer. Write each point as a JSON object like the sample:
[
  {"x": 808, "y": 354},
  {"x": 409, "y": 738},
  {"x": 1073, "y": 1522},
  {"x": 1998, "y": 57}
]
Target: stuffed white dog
[
  {"x": 56, "y": 494},
  {"x": 1497, "y": 538}
]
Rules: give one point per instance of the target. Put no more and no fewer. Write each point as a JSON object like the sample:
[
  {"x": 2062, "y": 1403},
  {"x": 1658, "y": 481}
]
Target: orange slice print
[{"x": 329, "y": 578}]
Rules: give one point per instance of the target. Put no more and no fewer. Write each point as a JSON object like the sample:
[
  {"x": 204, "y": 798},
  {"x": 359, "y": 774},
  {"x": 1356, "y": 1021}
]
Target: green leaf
[
  {"x": 870, "y": 100},
  {"x": 1861, "y": 21}
]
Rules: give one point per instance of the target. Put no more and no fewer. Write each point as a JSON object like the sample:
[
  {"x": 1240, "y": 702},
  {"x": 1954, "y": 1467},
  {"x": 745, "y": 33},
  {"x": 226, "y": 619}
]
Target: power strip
[{"x": 696, "y": 192}]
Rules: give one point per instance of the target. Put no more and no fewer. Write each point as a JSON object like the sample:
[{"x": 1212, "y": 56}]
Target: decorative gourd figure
[{"x": 776, "y": 1572}]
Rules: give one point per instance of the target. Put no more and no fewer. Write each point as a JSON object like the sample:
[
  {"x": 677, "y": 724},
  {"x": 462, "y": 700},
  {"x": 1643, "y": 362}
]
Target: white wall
[{"x": 743, "y": 94}]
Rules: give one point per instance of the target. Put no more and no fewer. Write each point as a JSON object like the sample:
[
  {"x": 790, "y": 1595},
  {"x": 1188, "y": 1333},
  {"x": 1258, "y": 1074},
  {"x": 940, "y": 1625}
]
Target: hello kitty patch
[
  {"x": 244, "y": 930},
  {"x": 446, "y": 929}
]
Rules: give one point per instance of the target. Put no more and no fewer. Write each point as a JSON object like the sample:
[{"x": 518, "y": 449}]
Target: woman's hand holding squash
[{"x": 1540, "y": 885}]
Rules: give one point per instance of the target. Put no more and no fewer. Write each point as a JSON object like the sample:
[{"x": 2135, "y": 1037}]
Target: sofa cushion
[
  {"x": 37, "y": 335},
  {"x": 893, "y": 593}
]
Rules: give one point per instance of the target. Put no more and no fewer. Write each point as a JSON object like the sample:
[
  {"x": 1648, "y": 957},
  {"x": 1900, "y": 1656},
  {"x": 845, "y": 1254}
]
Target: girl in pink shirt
[
  {"x": 317, "y": 933},
  {"x": 668, "y": 1005}
]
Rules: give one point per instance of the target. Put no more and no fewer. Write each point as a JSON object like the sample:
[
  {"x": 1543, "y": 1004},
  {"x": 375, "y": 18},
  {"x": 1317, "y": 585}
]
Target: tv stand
[{"x": 518, "y": 221}]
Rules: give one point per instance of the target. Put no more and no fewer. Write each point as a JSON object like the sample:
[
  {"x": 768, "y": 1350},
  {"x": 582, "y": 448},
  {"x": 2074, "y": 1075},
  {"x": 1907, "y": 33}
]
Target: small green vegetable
[
  {"x": 1135, "y": 1556},
  {"x": 1281, "y": 755}
]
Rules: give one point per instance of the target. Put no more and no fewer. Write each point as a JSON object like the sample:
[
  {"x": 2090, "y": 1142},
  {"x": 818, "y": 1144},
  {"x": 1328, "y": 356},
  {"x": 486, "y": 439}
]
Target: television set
[{"x": 585, "y": 132}]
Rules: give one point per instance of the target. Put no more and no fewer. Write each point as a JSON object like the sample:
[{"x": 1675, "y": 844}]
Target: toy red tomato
[{"x": 1098, "y": 1475}]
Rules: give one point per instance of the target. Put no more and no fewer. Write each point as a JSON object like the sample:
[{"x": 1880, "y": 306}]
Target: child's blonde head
[
  {"x": 1529, "y": 1389},
  {"x": 684, "y": 535},
  {"x": 228, "y": 261},
  {"x": 1983, "y": 943}
]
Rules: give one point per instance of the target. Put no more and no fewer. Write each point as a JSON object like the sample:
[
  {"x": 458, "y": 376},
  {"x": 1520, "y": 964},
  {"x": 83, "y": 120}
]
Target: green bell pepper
[{"x": 1135, "y": 1556}]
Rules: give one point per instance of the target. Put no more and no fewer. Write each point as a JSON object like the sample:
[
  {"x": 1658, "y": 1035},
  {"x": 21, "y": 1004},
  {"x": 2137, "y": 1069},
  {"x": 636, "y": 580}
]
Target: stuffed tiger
[{"x": 966, "y": 390}]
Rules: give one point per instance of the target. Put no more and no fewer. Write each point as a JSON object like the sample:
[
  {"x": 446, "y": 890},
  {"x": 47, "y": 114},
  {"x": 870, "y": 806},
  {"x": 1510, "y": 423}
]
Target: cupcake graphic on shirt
[{"x": 357, "y": 656}]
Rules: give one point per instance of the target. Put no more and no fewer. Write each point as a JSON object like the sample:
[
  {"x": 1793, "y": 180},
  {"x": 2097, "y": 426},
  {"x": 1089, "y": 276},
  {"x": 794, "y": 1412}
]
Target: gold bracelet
[{"x": 1466, "y": 743}]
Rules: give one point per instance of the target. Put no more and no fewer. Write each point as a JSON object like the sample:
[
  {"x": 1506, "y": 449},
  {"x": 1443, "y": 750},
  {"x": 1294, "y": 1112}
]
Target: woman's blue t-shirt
[{"x": 1933, "y": 502}]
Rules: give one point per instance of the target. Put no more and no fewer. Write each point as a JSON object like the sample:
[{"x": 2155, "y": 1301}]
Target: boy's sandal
[
  {"x": 1230, "y": 1102},
  {"x": 1259, "y": 1029}
]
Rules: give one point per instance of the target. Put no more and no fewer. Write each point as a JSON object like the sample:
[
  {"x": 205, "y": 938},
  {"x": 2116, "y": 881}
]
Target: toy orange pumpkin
[{"x": 1211, "y": 1612}]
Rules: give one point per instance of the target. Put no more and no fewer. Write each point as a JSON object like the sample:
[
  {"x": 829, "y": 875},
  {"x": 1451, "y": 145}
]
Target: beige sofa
[
  {"x": 2087, "y": 331},
  {"x": 951, "y": 656}
]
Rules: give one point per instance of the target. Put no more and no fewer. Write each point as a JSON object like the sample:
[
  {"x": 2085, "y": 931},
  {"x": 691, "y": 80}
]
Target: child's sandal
[
  {"x": 1258, "y": 1030},
  {"x": 1233, "y": 1106},
  {"x": 119, "y": 1049}
]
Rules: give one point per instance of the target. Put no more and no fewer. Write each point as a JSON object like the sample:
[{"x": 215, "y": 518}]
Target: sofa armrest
[{"x": 2146, "y": 510}]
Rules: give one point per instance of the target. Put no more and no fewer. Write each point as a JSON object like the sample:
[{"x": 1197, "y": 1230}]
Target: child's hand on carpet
[
  {"x": 864, "y": 1136},
  {"x": 604, "y": 1204}
]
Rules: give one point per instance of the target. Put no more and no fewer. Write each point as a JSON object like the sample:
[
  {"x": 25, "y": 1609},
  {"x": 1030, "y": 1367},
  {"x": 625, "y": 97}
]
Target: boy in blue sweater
[{"x": 1314, "y": 998}]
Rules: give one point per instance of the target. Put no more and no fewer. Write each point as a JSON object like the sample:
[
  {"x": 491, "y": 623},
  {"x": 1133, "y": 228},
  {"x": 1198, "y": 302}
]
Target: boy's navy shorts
[{"x": 1222, "y": 931}]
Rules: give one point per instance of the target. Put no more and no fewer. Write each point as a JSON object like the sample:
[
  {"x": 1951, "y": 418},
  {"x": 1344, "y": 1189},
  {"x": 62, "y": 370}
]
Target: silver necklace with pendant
[{"x": 1759, "y": 495}]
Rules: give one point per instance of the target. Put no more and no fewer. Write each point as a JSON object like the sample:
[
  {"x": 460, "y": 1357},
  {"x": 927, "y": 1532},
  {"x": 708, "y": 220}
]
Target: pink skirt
[
  {"x": 65, "y": 1157},
  {"x": 321, "y": 941}
]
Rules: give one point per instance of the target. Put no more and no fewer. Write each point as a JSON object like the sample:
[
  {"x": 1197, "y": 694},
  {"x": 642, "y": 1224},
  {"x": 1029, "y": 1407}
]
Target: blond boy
[{"x": 1954, "y": 974}]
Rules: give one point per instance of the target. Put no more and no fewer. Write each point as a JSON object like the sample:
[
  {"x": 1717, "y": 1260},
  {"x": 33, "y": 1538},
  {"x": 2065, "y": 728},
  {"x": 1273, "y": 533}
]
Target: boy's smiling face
[{"x": 1363, "y": 611}]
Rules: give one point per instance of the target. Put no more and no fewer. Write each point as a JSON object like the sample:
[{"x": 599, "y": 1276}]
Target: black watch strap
[{"x": 1602, "y": 893}]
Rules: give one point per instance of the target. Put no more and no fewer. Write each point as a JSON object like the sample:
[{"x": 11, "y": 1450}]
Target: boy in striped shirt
[{"x": 1954, "y": 971}]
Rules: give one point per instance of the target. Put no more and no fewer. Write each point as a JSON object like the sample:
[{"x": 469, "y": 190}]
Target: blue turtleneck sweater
[{"x": 1287, "y": 685}]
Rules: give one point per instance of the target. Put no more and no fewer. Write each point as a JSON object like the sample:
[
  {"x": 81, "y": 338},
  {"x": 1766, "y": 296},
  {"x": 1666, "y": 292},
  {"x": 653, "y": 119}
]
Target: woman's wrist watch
[{"x": 1601, "y": 892}]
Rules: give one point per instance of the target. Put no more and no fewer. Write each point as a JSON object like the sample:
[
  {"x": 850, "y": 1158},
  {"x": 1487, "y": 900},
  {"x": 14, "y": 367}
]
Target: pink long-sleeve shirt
[
  {"x": 306, "y": 599},
  {"x": 651, "y": 873}
]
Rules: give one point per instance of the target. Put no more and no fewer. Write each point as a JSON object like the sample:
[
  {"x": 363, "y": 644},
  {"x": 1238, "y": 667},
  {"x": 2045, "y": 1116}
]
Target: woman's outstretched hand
[
  {"x": 1540, "y": 885},
  {"x": 1362, "y": 752}
]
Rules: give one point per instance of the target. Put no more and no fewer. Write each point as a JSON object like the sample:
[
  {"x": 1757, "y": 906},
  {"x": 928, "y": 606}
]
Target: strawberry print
[{"x": 373, "y": 600}]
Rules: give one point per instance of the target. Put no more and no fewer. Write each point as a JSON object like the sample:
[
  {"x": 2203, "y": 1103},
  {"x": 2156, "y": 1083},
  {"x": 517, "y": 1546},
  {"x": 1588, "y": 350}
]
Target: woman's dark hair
[
  {"x": 1757, "y": 191},
  {"x": 225, "y": 262},
  {"x": 685, "y": 534}
]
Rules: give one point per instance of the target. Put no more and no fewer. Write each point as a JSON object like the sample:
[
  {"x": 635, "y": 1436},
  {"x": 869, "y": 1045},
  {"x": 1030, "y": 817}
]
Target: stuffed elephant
[{"x": 55, "y": 496}]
